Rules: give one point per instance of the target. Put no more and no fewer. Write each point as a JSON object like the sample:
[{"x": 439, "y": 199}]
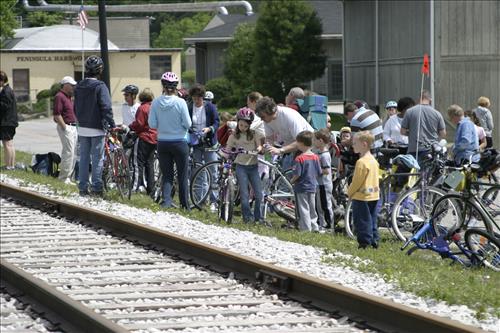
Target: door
[{"x": 21, "y": 84}]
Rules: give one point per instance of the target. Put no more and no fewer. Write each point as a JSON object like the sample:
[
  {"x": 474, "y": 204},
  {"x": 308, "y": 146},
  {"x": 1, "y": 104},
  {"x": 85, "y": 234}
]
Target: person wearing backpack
[
  {"x": 64, "y": 117},
  {"x": 95, "y": 115}
]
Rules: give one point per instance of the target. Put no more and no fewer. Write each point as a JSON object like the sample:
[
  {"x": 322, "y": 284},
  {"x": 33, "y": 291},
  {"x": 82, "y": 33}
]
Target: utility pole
[{"x": 103, "y": 38}]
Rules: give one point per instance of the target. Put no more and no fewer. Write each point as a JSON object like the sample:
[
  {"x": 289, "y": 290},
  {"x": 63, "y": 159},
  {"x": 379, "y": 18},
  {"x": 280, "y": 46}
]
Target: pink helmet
[
  {"x": 245, "y": 114},
  {"x": 169, "y": 80}
]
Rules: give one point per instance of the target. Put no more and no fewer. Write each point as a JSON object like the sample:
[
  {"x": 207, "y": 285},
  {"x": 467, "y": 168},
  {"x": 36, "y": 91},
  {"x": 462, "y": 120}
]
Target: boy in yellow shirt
[{"x": 364, "y": 191}]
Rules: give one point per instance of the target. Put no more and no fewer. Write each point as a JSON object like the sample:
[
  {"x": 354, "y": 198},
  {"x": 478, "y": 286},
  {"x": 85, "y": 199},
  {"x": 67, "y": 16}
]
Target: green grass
[{"x": 423, "y": 273}]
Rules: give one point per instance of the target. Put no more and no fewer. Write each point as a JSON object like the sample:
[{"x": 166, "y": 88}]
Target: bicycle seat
[
  {"x": 389, "y": 152},
  {"x": 385, "y": 155}
]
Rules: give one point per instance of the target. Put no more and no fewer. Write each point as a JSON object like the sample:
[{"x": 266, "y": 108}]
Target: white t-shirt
[
  {"x": 199, "y": 117},
  {"x": 128, "y": 113},
  {"x": 286, "y": 126},
  {"x": 392, "y": 130},
  {"x": 258, "y": 125}
]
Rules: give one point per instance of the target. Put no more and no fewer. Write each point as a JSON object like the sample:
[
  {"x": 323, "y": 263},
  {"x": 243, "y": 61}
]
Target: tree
[
  {"x": 173, "y": 30},
  {"x": 8, "y": 20},
  {"x": 42, "y": 19},
  {"x": 288, "y": 47},
  {"x": 239, "y": 58}
]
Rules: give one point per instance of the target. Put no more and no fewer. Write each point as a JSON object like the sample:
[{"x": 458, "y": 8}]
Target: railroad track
[
  {"x": 18, "y": 316},
  {"x": 156, "y": 281}
]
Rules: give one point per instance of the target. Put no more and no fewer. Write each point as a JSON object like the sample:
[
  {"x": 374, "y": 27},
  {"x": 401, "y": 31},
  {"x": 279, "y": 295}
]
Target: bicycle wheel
[
  {"x": 107, "y": 173},
  {"x": 122, "y": 174},
  {"x": 281, "y": 188},
  {"x": 226, "y": 200},
  {"x": 203, "y": 182},
  {"x": 411, "y": 209},
  {"x": 484, "y": 247},
  {"x": 491, "y": 200},
  {"x": 348, "y": 221}
]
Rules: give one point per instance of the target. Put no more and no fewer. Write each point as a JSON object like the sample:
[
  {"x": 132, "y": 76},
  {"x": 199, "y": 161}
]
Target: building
[
  {"x": 36, "y": 58},
  {"x": 385, "y": 41},
  {"x": 211, "y": 43}
]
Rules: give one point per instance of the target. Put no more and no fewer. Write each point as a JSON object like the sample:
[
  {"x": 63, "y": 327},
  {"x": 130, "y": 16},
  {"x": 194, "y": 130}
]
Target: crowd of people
[{"x": 178, "y": 124}]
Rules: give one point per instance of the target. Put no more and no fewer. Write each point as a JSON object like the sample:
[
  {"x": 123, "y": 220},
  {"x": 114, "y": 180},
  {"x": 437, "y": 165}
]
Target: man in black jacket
[
  {"x": 8, "y": 120},
  {"x": 94, "y": 114}
]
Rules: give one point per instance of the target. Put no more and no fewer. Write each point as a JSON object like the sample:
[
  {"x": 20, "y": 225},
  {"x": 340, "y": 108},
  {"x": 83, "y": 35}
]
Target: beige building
[{"x": 36, "y": 58}]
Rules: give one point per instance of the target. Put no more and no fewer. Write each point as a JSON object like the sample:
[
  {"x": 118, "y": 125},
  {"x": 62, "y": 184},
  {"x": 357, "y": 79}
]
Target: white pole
[
  {"x": 432, "y": 52},
  {"x": 83, "y": 50},
  {"x": 419, "y": 114}
]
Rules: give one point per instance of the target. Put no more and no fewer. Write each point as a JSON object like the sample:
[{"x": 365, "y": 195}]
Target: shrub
[
  {"x": 223, "y": 92},
  {"x": 188, "y": 79},
  {"x": 48, "y": 93}
]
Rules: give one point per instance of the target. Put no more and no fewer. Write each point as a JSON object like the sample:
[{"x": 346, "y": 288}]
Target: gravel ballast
[{"x": 302, "y": 258}]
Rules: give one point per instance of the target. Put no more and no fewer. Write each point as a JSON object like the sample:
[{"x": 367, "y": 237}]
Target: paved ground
[{"x": 39, "y": 136}]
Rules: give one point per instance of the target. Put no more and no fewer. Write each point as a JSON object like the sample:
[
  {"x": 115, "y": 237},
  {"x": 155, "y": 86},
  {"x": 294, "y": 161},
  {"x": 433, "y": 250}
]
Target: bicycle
[
  {"x": 479, "y": 248},
  {"x": 464, "y": 210},
  {"x": 412, "y": 207},
  {"x": 388, "y": 176},
  {"x": 116, "y": 168}
]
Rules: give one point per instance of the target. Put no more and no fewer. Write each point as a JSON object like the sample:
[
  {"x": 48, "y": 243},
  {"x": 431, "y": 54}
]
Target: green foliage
[
  {"x": 223, "y": 92},
  {"x": 48, "y": 93},
  {"x": 42, "y": 19},
  {"x": 173, "y": 30},
  {"x": 7, "y": 20},
  {"x": 288, "y": 47},
  {"x": 188, "y": 79},
  {"x": 239, "y": 58}
]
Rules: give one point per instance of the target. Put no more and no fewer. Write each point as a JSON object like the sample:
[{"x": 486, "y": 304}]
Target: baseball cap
[
  {"x": 68, "y": 79},
  {"x": 345, "y": 129}
]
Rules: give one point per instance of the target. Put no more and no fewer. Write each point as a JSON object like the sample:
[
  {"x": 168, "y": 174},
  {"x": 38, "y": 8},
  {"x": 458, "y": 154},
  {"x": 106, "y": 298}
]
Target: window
[
  {"x": 335, "y": 80},
  {"x": 21, "y": 84},
  {"x": 159, "y": 65}
]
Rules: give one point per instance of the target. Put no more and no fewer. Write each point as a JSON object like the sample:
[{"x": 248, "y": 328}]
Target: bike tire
[
  {"x": 107, "y": 173},
  {"x": 411, "y": 209},
  {"x": 458, "y": 215},
  {"x": 348, "y": 221},
  {"x": 491, "y": 199},
  {"x": 122, "y": 177},
  {"x": 226, "y": 203},
  {"x": 485, "y": 248},
  {"x": 203, "y": 181}
]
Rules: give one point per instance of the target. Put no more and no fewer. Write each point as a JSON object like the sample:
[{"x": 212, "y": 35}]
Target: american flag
[{"x": 82, "y": 18}]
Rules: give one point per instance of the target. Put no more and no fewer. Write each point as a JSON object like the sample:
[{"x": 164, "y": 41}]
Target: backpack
[
  {"x": 315, "y": 110},
  {"x": 46, "y": 164},
  {"x": 489, "y": 161}
]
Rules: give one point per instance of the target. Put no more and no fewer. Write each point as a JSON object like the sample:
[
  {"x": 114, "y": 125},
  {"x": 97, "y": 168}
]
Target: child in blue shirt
[{"x": 306, "y": 170}]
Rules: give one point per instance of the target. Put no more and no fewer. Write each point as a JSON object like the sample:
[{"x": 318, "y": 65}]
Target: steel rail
[
  {"x": 76, "y": 315},
  {"x": 379, "y": 313}
]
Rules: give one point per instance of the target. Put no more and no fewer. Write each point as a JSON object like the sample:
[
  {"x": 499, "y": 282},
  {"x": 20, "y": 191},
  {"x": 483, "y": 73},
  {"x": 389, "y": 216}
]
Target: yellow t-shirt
[{"x": 365, "y": 181}]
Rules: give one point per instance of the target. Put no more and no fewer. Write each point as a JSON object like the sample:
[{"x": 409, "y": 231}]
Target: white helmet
[{"x": 209, "y": 96}]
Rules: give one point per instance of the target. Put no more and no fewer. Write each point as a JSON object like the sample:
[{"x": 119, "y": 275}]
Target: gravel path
[{"x": 306, "y": 259}]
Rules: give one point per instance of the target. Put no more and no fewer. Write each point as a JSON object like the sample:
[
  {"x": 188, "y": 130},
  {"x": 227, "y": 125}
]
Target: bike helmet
[
  {"x": 93, "y": 65},
  {"x": 169, "y": 80},
  {"x": 245, "y": 114},
  {"x": 391, "y": 104},
  {"x": 131, "y": 89},
  {"x": 209, "y": 96}
]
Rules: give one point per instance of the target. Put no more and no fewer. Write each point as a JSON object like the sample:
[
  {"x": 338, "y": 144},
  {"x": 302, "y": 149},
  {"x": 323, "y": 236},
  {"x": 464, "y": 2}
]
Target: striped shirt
[{"x": 367, "y": 120}]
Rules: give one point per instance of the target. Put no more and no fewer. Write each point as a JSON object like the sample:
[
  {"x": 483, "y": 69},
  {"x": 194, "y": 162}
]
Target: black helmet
[
  {"x": 93, "y": 65},
  {"x": 131, "y": 89}
]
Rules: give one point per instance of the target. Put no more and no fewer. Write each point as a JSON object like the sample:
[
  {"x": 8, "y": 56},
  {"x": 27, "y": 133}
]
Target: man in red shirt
[{"x": 65, "y": 118}]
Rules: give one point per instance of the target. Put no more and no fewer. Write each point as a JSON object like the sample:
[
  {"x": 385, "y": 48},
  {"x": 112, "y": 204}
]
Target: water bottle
[{"x": 267, "y": 155}]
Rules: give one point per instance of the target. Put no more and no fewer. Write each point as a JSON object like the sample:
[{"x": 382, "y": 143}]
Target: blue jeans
[
  {"x": 200, "y": 155},
  {"x": 170, "y": 152},
  {"x": 364, "y": 214},
  {"x": 91, "y": 149},
  {"x": 249, "y": 174}
]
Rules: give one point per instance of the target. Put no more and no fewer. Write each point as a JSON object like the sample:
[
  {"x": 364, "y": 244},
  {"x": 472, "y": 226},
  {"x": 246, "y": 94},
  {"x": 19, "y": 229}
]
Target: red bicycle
[{"x": 116, "y": 171}]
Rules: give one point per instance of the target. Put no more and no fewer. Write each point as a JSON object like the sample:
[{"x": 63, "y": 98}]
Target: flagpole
[
  {"x": 83, "y": 50},
  {"x": 419, "y": 114}
]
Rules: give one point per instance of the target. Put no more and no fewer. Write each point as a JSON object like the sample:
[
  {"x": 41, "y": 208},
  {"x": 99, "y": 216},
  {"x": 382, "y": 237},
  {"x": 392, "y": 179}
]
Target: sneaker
[
  {"x": 141, "y": 189},
  {"x": 99, "y": 194},
  {"x": 69, "y": 182},
  {"x": 213, "y": 207},
  {"x": 84, "y": 193},
  {"x": 264, "y": 223}
]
